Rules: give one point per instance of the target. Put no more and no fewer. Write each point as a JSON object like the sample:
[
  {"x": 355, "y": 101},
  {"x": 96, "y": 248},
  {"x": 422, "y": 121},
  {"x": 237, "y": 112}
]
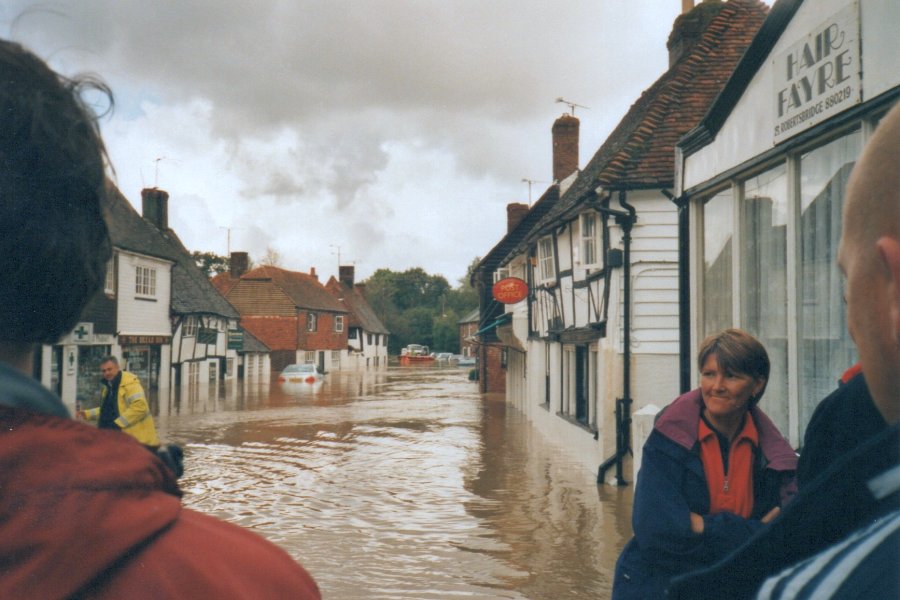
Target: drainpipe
[
  {"x": 626, "y": 221},
  {"x": 684, "y": 291}
]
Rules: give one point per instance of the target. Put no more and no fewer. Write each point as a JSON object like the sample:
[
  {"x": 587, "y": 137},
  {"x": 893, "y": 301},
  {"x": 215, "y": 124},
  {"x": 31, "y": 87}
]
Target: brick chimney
[
  {"x": 515, "y": 212},
  {"x": 346, "y": 275},
  {"x": 689, "y": 27},
  {"x": 565, "y": 146},
  {"x": 155, "y": 207},
  {"x": 312, "y": 273},
  {"x": 238, "y": 264}
]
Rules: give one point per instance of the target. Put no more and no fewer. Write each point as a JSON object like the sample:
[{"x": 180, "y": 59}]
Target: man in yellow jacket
[{"x": 123, "y": 405}]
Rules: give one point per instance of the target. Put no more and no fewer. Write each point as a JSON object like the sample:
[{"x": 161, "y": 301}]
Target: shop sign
[
  {"x": 83, "y": 333},
  {"x": 235, "y": 340},
  {"x": 144, "y": 340},
  {"x": 819, "y": 76},
  {"x": 510, "y": 290}
]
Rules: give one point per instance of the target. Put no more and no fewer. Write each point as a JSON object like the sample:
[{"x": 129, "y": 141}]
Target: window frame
[
  {"x": 546, "y": 256},
  {"x": 589, "y": 240},
  {"x": 144, "y": 281}
]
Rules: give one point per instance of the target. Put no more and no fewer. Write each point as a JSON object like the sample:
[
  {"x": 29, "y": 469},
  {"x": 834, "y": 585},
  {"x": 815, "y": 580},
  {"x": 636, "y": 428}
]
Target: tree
[
  {"x": 445, "y": 333},
  {"x": 418, "y": 308},
  {"x": 271, "y": 258},
  {"x": 210, "y": 262}
]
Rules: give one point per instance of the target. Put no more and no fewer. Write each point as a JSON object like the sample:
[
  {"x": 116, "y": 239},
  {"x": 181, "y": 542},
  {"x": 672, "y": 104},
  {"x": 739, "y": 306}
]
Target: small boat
[{"x": 416, "y": 354}]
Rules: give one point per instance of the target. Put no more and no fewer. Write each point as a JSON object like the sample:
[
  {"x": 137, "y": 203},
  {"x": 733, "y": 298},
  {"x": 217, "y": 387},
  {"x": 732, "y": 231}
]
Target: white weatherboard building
[
  {"x": 598, "y": 335},
  {"x": 763, "y": 177}
]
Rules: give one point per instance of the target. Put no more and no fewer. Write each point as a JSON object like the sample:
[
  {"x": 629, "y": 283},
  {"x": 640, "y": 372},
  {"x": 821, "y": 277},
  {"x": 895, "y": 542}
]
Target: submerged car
[
  {"x": 306, "y": 373},
  {"x": 444, "y": 356}
]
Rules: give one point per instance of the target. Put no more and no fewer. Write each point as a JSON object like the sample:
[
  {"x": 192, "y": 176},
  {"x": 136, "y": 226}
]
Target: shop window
[
  {"x": 763, "y": 297},
  {"x": 718, "y": 217},
  {"x": 826, "y": 349}
]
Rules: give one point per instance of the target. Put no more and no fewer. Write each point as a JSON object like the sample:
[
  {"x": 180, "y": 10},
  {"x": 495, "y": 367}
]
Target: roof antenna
[
  {"x": 530, "y": 182},
  {"x": 572, "y": 105},
  {"x": 156, "y": 171}
]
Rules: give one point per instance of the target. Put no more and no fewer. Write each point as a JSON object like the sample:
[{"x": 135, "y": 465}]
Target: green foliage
[
  {"x": 418, "y": 308},
  {"x": 210, "y": 262}
]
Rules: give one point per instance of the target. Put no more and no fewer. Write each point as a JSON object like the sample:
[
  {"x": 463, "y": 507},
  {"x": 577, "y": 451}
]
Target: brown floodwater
[{"x": 405, "y": 483}]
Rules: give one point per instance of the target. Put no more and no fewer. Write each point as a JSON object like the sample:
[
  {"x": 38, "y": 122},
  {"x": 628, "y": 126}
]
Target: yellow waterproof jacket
[{"x": 134, "y": 410}]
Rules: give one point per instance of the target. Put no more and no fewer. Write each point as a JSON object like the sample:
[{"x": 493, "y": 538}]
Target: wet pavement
[{"x": 404, "y": 483}]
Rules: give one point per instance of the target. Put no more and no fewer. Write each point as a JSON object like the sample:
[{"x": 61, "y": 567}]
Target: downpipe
[{"x": 626, "y": 221}]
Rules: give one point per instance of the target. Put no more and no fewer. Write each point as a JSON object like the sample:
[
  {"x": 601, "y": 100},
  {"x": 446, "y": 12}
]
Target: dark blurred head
[
  {"x": 738, "y": 352},
  {"x": 54, "y": 244}
]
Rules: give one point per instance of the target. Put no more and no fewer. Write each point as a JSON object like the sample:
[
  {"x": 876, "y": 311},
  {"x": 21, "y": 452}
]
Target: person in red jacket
[{"x": 84, "y": 512}]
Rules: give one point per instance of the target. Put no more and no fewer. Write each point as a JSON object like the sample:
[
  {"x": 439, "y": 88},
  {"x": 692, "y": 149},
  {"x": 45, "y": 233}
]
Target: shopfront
[
  {"x": 142, "y": 355},
  {"x": 763, "y": 180}
]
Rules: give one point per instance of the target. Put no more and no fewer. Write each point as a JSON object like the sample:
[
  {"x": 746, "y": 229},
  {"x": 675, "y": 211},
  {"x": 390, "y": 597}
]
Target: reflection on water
[{"x": 403, "y": 483}]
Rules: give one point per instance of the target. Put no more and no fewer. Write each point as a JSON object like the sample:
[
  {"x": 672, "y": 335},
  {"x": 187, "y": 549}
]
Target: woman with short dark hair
[{"x": 715, "y": 469}]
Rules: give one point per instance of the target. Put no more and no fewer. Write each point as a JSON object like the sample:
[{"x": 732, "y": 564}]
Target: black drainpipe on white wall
[{"x": 626, "y": 221}]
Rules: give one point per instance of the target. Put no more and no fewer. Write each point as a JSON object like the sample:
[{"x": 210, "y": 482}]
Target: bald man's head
[{"x": 869, "y": 256}]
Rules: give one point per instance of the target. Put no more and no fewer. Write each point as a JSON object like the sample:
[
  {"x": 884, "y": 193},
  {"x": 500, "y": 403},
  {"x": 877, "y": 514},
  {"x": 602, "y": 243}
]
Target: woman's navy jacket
[{"x": 671, "y": 484}]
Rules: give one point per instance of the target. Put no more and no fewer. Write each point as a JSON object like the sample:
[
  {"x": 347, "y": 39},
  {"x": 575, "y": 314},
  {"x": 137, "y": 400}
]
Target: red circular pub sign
[{"x": 510, "y": 290}]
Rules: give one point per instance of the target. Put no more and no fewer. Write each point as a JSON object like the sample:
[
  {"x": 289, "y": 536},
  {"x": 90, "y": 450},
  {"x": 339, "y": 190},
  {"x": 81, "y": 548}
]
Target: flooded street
[{"x": 406, "y": 483}]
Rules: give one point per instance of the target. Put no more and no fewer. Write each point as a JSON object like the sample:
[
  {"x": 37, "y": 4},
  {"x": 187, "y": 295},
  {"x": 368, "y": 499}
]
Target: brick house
[{"x": 290, "y": 312}]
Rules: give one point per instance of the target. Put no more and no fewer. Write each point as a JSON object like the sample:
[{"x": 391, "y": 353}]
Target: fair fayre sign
[
  {"x": 819, "y": 76},
  {"x": 510, "y": 290}
]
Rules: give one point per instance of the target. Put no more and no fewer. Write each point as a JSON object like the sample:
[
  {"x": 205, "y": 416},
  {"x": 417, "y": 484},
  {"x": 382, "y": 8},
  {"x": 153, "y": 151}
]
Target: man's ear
[{"x": 889, "y": 253}]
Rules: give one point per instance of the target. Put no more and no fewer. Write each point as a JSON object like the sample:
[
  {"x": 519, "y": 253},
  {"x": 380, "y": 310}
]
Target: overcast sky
[{"x": 395, "y": 131}]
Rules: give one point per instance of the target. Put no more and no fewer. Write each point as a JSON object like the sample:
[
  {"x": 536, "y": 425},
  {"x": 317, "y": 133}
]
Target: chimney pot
[
  {"x": 238, "y": 264},
  {"x": 565, "y": 146},
  {"x": 155, "y": 207}
]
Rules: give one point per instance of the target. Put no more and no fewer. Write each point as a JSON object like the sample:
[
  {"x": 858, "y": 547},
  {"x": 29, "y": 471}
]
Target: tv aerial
[{"x": 571, "y": 105}]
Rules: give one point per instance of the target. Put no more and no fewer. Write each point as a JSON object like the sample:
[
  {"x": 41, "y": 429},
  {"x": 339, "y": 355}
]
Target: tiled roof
[
  {"x": 224, "y": 282},
  {"x": 304, "y": 290},
  {"x": 502, "y": 249},
  {"x": 252, "y": 344},
  {"x": 129, "y": 231},
  {"x": 192, "y": 291},
  {"x": 757, "y": 54},
  {"x": 361, "y": 313},
  {"x": 640, "y": 152},
  {"x": 278, "y": 333}
]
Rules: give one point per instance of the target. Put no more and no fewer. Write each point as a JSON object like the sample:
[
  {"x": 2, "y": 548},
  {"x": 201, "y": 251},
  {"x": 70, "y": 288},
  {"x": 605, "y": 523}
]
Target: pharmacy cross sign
[{"x": 81, "y": 333}]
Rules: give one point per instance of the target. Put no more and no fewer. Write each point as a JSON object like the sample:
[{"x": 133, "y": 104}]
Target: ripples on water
[{"x": 401, "y": 484}]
